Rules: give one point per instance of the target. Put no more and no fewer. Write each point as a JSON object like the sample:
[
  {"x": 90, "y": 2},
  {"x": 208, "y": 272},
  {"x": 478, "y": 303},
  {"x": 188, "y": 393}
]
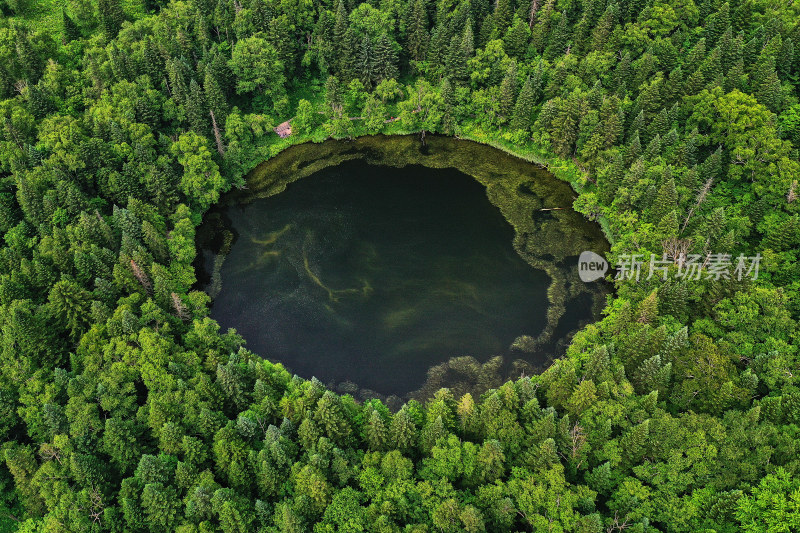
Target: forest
[{"x": 125, "y": 408}]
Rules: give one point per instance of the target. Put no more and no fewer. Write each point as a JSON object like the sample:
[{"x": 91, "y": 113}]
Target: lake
[{"x": 376, "y": 267}]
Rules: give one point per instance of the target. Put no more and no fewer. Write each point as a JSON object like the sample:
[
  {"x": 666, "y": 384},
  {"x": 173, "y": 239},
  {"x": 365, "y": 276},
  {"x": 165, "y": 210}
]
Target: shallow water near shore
[{"x": 388, "y": 261}]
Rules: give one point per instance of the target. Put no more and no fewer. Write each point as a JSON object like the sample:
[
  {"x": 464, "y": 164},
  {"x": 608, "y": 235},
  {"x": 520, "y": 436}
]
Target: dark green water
[{"x": 373, "y": 274}]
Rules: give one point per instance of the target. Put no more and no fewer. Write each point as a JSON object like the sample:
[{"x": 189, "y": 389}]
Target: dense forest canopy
[{"x": 123, "y": 407}]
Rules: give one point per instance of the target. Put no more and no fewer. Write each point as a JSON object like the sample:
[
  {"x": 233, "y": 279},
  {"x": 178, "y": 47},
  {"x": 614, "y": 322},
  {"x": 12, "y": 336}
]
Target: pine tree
[
  {"x": 111, "y": 16},
  {"x": 120, "y": 64},
  {"x": 666, "y": 201},
  {"x": 196, "y": 109},
  {"x": 340, "y": 35},
  {"x": 260, "y": 15},
  {"x": 70, "y": 304},
  {"x": 622, "y": 74},
  {"x": 177, "y": 80},
  {"x": 403, "y": 431},
  {"x": 634, "y": 149},
  {"x": 602, "y": 30},
  {"x": 515, "y": 41},
  {"x": 348, "y": 56},
  {"x": 418, "y": 31},
  {"x": 366, "y": 61},
  {"x": 376, "y": 432},
  {"x": 28, "y": 60},
  {"x": 508, "y": 90},
  {"x": 385, "y": 60},
  {"x": 559, "y": 39},
  {"x": 217, "y": 103},
  {"x": 333, "y": 94},
  {"x": 716, "y": 24},
  {"x": 456, "y": 64},
  {"x": 152, "y": 63},
  {"x": 39, "y": 102},
  {"x": 436, "y": 53},
  {"x": 785, "y": 59},
  {"x": 502, "y": 15},
  {"x": 769, "y": 93},
  {"x": 523, "y": 109},
  {"x": 70, "y": 30}
]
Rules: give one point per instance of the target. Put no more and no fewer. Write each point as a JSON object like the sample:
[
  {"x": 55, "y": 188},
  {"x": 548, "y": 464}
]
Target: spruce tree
[
  {"x": 385, "y": 60},
  {"x": 516, "y": 39},
  {"x": 418, "y": 31},
  {"x": 152, "y": 63},
  {"x": 785, "y": 60},
  {"x": 28, "y": 60},
  {"x": 68, "y": 27},
  {"x": 502, "y": 16},
  {"x": 523, "y": 109},
  {"x": 333, "y": 94},
  {"x": 177, "y": 80},
  {"x": 559, "y": 39},
  {"x": 436, "y": 54},
  {"x": 665, "y": 202},
  {"x": 340, "y": 36},
  {"x": 196, "y": 111},
  {"x": 111, "y": 16},
  {"x": 215, "y": 98},
  {"x": 260, "y": 15},
  {"x": 366, "y": 62},
  {"x": 508, "y": 90}
]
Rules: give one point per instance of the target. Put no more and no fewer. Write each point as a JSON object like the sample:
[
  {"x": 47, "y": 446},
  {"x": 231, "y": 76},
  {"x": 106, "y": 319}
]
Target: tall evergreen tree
[
  {"x": 196, "y": 110},
  {"x": 366, "y": 62},
  {"x": 523, "y": 109},
  {"x": 111, "y": 16},
  {"x": 508, "y": 90},
  {"x": 385, "y": 59},
  {"x": 559, "y": 39},
  {"x": 68, "y": 27},
  {"x": 418, "y": 31},
  {"x": 215, "y": 98}
]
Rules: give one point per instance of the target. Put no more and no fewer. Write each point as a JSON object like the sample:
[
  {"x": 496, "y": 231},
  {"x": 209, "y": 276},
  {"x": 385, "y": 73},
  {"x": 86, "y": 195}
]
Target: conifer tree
[
  {"x": 214, "y": 97},
  {"x": 515, "y": 41},
  {"x": 177, "y": 80},
  {"x": 418, "y": 31},
  {"x": 376, "y": 432},
  {"x": 111, "y": 16},
  {"x": 196, "y": 111},
  {"x": 28, "y": 60},
  {"x": 68, "y": 27},
  {"x": 502, "y": 16},
  {"x": 559, "y": 39},
  {"x": 385, "y": 60},
  {"x": 508, "y": 90},
  {"x": 366, "y": 62}
]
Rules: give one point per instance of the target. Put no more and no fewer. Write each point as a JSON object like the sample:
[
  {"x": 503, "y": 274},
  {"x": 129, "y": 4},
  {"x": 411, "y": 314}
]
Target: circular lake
[{"x": 387, "y": 261}]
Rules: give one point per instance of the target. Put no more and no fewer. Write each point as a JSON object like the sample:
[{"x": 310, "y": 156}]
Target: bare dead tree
[
  {"x": 534, "y": 10},
  {"x": 217, "y": 135},
  {"x": 676, "y": 249},
  {"x": 180, "y": 308},
  {"x": 791, "y": 196},
  {"x": 616, "y": 525},
  {"x": 20, "y": 85},
  {"x": 140, "y": 275},
  {"x": 701, "y": 196}
]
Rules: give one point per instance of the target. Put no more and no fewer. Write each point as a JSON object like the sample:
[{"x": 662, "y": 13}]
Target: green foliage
[{"x": 123, "y": 407}]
